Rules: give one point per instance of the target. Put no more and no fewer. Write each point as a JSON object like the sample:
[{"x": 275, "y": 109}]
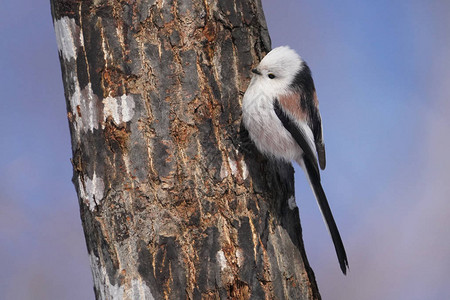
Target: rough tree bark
[{"x": 175, "y": 202}]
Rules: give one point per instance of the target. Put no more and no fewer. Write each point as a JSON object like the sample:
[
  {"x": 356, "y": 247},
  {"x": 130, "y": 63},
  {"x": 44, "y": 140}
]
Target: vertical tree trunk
[{"x": 174, "y": 202}]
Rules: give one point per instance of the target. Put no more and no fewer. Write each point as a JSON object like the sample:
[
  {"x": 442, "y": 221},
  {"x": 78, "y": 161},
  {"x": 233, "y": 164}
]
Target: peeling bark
[{"x": 175, "y": 202}]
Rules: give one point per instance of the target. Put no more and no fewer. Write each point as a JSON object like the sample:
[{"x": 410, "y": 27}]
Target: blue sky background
[{"x": 382, "y": 73}]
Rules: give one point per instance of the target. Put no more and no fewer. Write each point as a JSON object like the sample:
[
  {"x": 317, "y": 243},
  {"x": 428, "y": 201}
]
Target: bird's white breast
[{"x": 265, "y": 128}]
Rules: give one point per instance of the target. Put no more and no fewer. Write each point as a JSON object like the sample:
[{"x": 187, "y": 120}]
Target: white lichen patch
[
  {"x": 84, "y": 108},
  {"x": 127, "y": 107},
  {"x": 244, "y": 169},
  {"x": 90, "y": 117},
  {"x": 220, "y": 256},
  {"x": 223, "y": 171},
  {"x": 82, "y": 193},
  {"x": 92, "y": 190},
  {"x": 139, "y": 290},
  {"x": 240, "y": 257},
  {"x": 68, "y": 37},
  {"x": 121, "y": 109},
  {"x": 83, "y": 102},
  {"x": 291, "y": 202},
  {"x": 233, "y": 166},
  {"x": 110, "y": 108},
  {"x": 102, "y": 283},
  {"x": 237, "y": 167}
]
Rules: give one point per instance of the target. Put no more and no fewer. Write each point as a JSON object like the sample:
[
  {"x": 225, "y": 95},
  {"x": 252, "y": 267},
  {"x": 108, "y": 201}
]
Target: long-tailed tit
[{"x": 281, "y": 113}]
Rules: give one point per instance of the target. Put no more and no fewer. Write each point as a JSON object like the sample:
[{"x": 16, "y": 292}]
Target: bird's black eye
[{"x": 271, "y": 76}]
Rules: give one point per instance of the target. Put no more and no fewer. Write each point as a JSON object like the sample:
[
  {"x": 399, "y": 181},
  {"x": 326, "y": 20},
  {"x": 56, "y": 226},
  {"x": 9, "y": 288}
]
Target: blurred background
[{"x": 382, "y": 73}]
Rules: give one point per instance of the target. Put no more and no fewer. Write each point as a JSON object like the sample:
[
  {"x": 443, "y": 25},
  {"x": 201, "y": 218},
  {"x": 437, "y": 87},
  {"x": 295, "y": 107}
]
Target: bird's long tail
[{"x": 321, "y": 198}]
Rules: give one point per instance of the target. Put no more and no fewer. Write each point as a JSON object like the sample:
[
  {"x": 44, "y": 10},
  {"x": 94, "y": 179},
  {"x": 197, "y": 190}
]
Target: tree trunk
[{"x": 175, "y": 202}]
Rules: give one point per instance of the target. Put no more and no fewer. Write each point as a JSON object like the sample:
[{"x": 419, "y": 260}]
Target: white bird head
[{"x": 277, "y": 70}]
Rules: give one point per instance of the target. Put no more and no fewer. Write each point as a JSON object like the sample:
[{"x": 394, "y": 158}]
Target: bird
[{"x": 280, "y": 111}]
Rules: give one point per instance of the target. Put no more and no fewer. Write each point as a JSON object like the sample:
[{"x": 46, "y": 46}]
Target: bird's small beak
[{"x": 256, "y": 71}]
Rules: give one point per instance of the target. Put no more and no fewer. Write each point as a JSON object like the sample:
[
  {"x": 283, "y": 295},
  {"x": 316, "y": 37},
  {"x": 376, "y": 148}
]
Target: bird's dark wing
[
  {"x": 294, "y": 120},
  {"x": 316, "y": 125},
  {"x": 300, "y": 135},
  {"x": 303, "y": 85}
]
